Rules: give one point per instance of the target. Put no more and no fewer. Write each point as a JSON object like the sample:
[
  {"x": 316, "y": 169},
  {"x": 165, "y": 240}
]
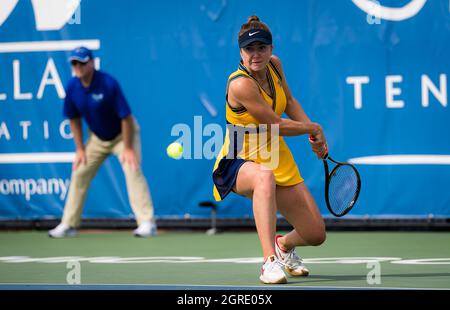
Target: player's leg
[
  {"x": 299, "y": 208},
  {"x": 81, "y": 179},
  {"x": 259, "y": 185}
]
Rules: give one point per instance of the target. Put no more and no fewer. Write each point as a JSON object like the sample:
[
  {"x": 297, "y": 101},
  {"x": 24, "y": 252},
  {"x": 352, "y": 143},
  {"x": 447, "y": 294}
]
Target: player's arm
[
  {"x": 77, "y": 131},
  {"x": 246, "y": 93},
  {"x": 293, "y": 108},
  {"x": 295, "y": 111}
]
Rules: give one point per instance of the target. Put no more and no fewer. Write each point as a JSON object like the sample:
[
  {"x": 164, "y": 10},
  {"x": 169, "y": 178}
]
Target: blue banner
[{"x": 374, "y": 74}]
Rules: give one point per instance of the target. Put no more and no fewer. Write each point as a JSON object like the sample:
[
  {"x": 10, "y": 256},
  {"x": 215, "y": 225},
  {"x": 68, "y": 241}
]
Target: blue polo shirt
[{"x": 102, "y": 104}]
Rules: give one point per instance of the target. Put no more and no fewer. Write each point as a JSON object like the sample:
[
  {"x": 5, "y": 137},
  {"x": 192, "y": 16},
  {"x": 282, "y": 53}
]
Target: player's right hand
[
  {"x": 316, "y": 134},
  {"x": 318, "y": 141}
]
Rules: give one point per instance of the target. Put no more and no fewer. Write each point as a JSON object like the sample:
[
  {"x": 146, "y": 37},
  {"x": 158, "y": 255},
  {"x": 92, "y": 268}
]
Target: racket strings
[{"x": 343, "y": 188}]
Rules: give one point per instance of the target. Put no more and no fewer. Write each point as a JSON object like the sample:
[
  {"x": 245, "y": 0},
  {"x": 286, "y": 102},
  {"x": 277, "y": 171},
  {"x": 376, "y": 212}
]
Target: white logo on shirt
[{"x": 97, "y": 97}]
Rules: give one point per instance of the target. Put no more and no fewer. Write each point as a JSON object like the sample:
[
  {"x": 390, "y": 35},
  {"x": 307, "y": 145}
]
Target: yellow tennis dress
[{"x": 246, "y": 140}]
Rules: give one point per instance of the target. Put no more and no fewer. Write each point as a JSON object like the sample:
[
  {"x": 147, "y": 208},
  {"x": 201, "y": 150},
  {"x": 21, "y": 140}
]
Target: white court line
[
  {"x": 402, "y": 160},
  {"x": 47, "y": 46},
  {"x": 36, "y": 158},
  {"x": 215, "y": 286}
]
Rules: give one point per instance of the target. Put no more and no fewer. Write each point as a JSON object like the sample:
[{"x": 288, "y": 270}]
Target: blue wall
[{"x": 173, "y": 59}]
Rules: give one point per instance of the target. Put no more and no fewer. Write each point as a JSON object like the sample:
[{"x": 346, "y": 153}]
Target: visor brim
[{"x": 252, "y": 40}]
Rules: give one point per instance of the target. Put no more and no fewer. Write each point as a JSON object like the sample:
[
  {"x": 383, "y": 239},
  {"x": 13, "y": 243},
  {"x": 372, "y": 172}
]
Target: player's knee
[
  {"x": 317, "y": 239},
  {"x": 265, "y": 181}
]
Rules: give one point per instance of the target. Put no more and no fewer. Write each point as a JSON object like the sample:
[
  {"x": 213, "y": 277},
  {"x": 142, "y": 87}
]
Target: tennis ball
[{"x": 175, "y": 150}]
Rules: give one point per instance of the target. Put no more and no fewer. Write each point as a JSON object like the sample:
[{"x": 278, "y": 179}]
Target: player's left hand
[
  {"x": 320, "y": 147},
  {"x": 129, "y": 157}
]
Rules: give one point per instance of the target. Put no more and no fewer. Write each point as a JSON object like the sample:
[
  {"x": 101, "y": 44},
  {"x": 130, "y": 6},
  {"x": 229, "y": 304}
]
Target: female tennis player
[{"x": 257, "y": 95}]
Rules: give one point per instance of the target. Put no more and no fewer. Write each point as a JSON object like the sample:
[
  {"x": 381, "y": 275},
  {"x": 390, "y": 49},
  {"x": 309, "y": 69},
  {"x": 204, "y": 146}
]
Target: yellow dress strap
[{"x": 274, "y": 68}]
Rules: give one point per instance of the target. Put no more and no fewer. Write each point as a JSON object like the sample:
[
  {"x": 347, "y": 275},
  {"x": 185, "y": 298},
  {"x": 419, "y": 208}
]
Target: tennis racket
[{"x": 342, "y": 186}]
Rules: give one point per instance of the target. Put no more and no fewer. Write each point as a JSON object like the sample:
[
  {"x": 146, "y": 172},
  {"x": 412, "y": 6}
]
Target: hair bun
[
  {"x": 253, "y": 22},
  {"x": 253, "y": 18}
]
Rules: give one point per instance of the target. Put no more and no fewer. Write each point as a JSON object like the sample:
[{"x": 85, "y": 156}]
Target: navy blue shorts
[{"x": 224, "y": 177}]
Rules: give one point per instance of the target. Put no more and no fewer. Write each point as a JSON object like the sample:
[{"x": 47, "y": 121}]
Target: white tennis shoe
[
  {"x": 272, "y": 271},
  {"x": 290, "y": 260},
  {"x": 62, "y": 231},
  {"x": 146, "y": 229}
]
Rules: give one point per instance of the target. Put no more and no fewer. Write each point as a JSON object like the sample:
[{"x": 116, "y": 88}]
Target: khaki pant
[{"x": 96, "y": 152}]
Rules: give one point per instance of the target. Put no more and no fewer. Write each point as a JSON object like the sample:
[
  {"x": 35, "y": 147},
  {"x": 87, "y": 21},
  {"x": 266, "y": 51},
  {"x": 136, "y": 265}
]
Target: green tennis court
[{"x": 230, "y": 259}]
